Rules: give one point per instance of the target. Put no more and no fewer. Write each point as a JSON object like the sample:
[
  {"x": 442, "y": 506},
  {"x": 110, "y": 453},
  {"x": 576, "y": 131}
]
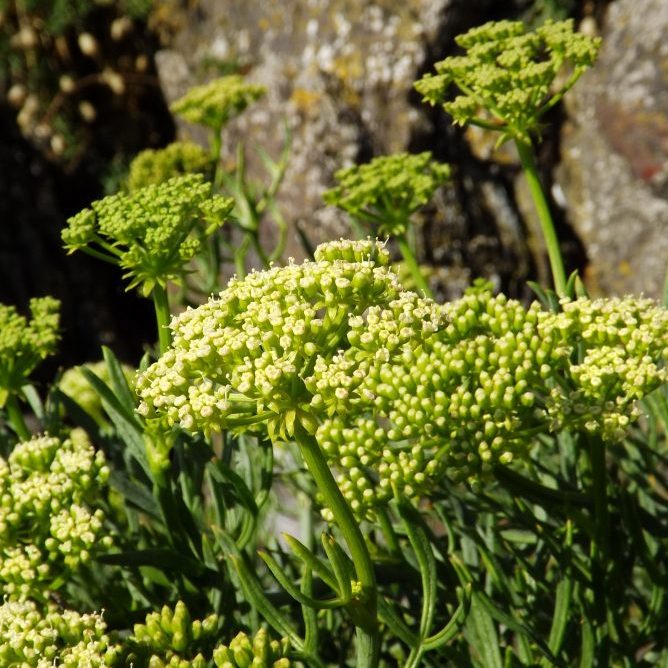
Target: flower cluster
[
  {"x": 153, "y": 166},
  {"x": 509, "y": 77},
  {"x": 47, "y": 488},
  {"x": 36, "y": 638},
  {"x": 245, "y": 652},
  {"x": 401, "y": 391},
  {"x": 172, "y": 638},
  {"x": 75, "y": 385},
  {"x": 215, "y": 103},
  {"x": 24, "y": 343},
  {"x": 388, "y": 190},
  {"x": 622, "y": 356},
  {"x": 153, "y": 232},
  {"x": 242, "y": 358}
]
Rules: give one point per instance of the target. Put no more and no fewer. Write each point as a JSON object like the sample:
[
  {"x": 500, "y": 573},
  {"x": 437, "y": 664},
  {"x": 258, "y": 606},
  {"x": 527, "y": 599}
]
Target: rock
[{"x": 614, "y": 172}]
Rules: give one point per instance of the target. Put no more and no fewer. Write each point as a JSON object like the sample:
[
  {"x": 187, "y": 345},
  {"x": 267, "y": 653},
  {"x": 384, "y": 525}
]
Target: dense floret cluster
[
  {"x": 215, "y": 103},
  {"x": 24, "y": 343},
  {"x": 509, "y": 76},
  {"x": 48, "y": 524},
  {"x": 400, "y": 390},
  {"x": 151, "y": 233},
  {"x": 243, "y": 357},
  {"x": 34, "y": 638},
  {"x": 153, "y": 166},
  {"x": 388, "y": 190}
]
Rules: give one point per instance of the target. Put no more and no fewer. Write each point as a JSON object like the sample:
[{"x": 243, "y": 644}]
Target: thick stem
[
  {"x": 16, "y": 419},
  {"x": 525, "y": 151},
  {"x": 368, "y": 639},
  {"x": 413, "y": 265},
  {"x": 162, "y": 316}
]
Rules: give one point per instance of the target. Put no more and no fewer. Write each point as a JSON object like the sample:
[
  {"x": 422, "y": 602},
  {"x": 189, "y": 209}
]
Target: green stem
[
  {"x": 525, "y": 151},
  {"x": 162, "y": 316},
  {"x": 600, "y": 546},
  {"x": 409, "y": 259},
  {"x": 16, "y": 419},
  {"x": 368, "y": 639}
]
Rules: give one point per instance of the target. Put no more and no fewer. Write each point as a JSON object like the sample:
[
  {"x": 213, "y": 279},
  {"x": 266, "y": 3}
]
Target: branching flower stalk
[
  {"x": 385, "y": 193},
  {"x": 508, "y": 79},
  {"x": 152, "y": 233},
  {"x": 214, "y": 105}
]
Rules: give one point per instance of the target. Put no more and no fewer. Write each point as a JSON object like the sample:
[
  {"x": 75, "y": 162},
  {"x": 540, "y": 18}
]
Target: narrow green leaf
[
  {"x": 257, "y": 598},
  {"x": 426, "y": 563},
  {"x": 222, "y": 473},
  {"x": 588, "y": 645},
  {"x": 287, "y": 584},
  {"x": 388, "y": 616},
  {"x": 34, "y": 401},
  {"x": 119, "y": 383},
  {"x": 340, "y": 564},
  {"x": 513, "y": 624},
  {"x": 309, "y": 615},
  {"x": 452, "y": 628},
  {"x": 312, "y": 561},
  {"x": 562, "y": 609},
  {"x": 136, "y": 494},
  {"x": 483, "y": 637},
  {"x": 127, "y": 426}
]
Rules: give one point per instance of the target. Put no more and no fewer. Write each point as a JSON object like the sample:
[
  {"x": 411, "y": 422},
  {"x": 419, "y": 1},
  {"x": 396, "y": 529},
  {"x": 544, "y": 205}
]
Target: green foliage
[
  {"x": 24, "y": 344},
  {"x": 154, "y": 166},
  {"x": 508, "y": 77},
  {"x": 214, "y": 104},
  {"x": 151, "y": 233},
  {"x": 388, "y": 190}
]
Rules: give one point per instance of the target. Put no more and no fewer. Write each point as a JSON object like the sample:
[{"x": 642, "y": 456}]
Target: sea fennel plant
[
  {"x": 508, "y": 79},
  {"x": 386, "y": 393}
]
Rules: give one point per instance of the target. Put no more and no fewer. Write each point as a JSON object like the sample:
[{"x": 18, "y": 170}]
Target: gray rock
[
  {"x": 338, "y": 74},
  {"x": 614, "y": 172}
]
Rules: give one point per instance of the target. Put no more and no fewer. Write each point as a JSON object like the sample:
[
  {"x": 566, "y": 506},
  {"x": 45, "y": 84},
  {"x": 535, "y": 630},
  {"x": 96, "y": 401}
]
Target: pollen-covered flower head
[
  {"x": 151, "y": 233},
  {"x": 388, "y": 190},
  {"x": 243, "y": 357},
  {"x": 508, "y": 76},
  {"x": 24, "y": 343},
  {"x": 213, "y": 104}
]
